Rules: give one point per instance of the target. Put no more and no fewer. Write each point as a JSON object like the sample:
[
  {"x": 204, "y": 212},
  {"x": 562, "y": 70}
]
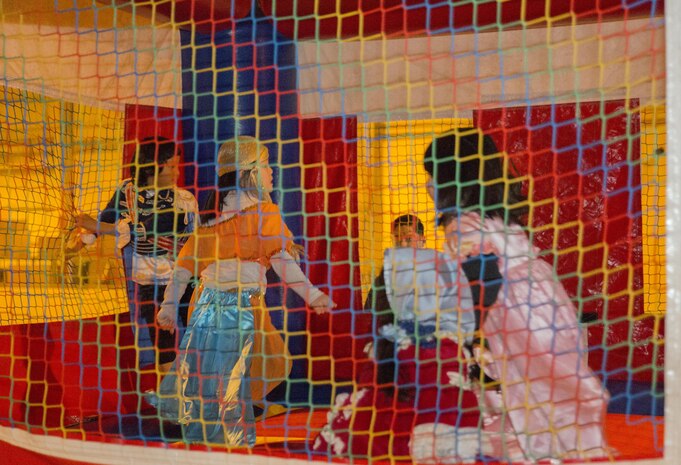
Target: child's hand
[
  {"x": 322, "y": 304},
  {"x": 166, "y": 317},
  {"x": 461, "y": 249},
  {"x": 78, "y": 238},
  {"x": 468, "y": 248}
]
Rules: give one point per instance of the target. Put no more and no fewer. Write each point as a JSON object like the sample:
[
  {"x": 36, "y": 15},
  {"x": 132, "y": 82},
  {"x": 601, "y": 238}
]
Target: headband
[{"x": 244, "y": 153}]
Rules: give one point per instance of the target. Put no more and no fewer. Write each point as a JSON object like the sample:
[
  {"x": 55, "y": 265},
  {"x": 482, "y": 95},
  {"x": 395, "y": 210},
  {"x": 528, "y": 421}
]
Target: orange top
[{"x": 254, "y": 234}]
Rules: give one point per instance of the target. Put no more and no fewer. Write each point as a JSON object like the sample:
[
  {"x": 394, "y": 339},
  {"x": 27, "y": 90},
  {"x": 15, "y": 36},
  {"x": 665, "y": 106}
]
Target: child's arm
[
  {"x": 111, "y": 221},
  {"x": 289, "y": 271},
  {"x": 167, "y": 315},
  {"x": 189, "y": 261},
  {"x": 277, "y": 243}
]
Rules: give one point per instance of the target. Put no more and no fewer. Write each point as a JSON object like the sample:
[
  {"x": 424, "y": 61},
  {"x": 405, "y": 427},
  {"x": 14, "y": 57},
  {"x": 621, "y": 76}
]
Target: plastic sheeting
[
  {"x": 587, "y": 216},
  {"x": 106, "y": 68}
]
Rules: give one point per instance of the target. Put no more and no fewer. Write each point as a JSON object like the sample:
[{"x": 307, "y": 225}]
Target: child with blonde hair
[{"x": 242, "y": 235}]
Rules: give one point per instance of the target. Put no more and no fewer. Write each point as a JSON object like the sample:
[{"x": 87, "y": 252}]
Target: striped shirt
[{"x": 160, "y": 223}]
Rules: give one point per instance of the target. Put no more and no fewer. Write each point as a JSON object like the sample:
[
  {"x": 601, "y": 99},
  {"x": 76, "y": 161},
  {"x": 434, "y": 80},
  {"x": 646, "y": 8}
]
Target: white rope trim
[
  {"x": 103, "y": 453},
  {"x": 672, "y": 362},
  {"x": 121, "y": 454}
]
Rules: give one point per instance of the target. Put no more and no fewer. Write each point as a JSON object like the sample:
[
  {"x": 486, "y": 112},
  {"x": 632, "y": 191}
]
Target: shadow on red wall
[{"x": 329, "y": 152}]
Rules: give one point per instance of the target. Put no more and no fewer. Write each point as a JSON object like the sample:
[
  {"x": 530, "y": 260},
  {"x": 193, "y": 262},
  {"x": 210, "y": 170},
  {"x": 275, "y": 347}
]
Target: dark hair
[
  {"x": 468, "y": 174},
  {"x": 409, "y": 220},
  {"x": 226, "y": 184},
  {"x": 213, "y": 204},
  {"x": 153, "y": 152}
]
